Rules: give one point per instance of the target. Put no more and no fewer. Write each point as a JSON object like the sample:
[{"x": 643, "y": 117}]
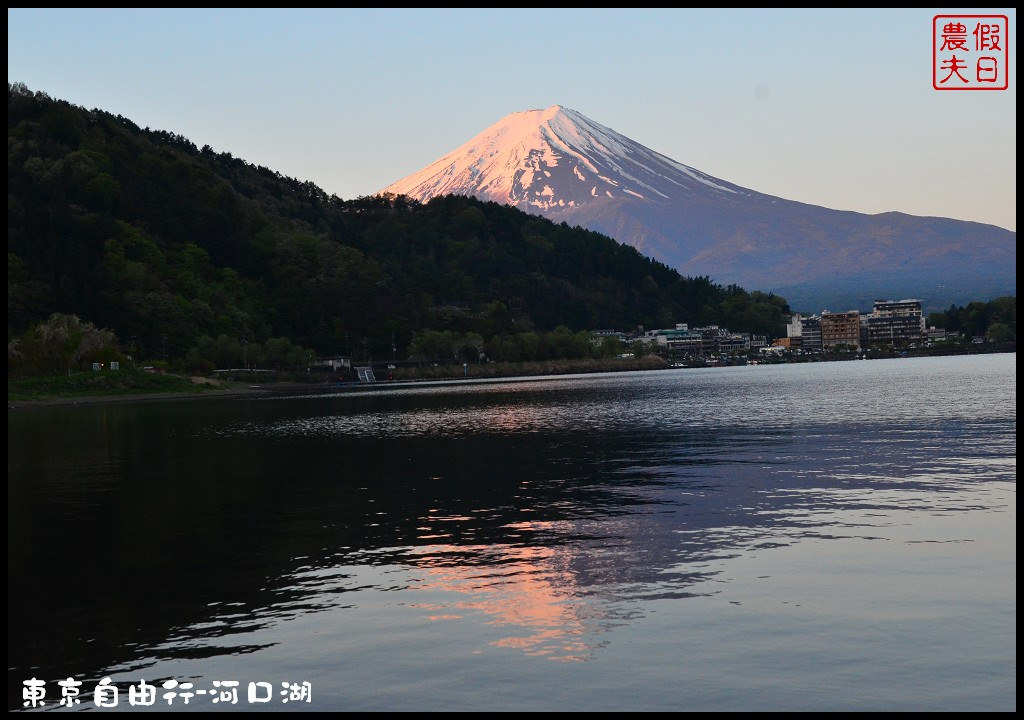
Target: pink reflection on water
[{"x": 528, "y": 590}]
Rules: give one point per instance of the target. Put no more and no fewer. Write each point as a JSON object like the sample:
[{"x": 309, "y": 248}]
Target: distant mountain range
[{"x": 560, "y": 164}]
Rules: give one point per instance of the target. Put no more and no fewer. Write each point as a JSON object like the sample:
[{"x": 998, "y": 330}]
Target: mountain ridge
[
  {"x": 557, "y": 163},
  {"x": 164, "y": 242}
]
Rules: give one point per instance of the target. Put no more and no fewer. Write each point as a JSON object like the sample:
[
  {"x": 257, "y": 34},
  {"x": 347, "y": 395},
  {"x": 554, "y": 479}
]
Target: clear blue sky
[{"x": 831, "y": 107}]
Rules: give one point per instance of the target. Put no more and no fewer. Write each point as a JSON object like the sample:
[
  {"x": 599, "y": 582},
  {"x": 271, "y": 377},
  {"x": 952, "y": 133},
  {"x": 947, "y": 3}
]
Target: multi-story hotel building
[
  {"x": 840, "y": 329},
  {"x": 896, "y": 322},
  {"x": 810, "y": 333}
]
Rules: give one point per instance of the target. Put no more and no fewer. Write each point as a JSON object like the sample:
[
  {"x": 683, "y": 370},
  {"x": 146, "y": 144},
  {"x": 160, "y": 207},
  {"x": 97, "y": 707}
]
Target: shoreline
[
  {"x": 130, "y": 398},
  {"x": 287, "y": 388}
]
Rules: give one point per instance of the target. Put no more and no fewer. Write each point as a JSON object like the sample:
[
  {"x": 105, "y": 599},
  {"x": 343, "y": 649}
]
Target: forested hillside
[{"x": 163, "y": 242}]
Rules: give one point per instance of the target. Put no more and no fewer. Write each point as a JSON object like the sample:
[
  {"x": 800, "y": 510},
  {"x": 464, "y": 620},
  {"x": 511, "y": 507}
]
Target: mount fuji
[{"x": 560, "y": 164}]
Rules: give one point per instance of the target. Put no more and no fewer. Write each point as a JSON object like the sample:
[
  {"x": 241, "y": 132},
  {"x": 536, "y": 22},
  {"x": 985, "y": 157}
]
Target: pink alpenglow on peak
[
  {"x": 552, "y": 158},
  {"x": 560, "y": 164}
]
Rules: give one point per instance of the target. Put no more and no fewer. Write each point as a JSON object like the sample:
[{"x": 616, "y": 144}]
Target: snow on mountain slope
[
  {"x": 554, "y": 158},
  {"x": 560, "y": 164}
]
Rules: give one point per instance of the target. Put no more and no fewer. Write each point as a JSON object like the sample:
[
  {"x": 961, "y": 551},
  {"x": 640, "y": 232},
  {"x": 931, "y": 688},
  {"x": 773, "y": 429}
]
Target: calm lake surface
[{"x": 836, "y": 536}]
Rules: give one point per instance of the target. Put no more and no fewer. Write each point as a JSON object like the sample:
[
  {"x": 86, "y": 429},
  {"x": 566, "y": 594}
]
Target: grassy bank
[
  {"x": 106, "y": 383},
  {"x": 545, "y": 367},
  {"x": 136, "y": 384}
]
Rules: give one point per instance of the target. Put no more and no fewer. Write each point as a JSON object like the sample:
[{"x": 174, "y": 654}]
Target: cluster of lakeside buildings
[
  {"x": 703, "y": 341},
  {"x": 891, "y": 323}
]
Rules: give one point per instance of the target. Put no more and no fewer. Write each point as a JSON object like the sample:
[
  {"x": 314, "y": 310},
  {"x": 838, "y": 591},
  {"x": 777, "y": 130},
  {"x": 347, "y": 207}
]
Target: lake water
[{"x": 835, "y": 536}]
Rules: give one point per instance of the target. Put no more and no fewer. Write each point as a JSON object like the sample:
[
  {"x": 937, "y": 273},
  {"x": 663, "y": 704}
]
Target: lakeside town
[
  {"x": 893, "y": 328},
  {"x": 891, "y": 324}
]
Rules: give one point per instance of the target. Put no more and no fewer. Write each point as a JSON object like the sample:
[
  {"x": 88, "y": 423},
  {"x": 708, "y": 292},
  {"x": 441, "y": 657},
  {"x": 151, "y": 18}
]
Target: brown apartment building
[{"x": 840, "y": 329}]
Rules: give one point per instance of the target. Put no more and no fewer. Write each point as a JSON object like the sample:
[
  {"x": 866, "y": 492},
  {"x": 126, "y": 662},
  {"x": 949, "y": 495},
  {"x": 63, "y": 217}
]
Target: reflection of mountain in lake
[{"x": 552, "y": 510}]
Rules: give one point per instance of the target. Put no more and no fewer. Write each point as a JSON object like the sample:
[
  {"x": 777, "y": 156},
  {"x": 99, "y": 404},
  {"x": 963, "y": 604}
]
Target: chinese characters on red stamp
[{"x": 970, "y": 52}]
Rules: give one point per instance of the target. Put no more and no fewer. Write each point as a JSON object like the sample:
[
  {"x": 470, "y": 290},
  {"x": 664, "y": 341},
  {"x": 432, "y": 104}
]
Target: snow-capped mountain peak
[
  {"x": 560, "y": 164},
  {"x": 554, "y": 158}
]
